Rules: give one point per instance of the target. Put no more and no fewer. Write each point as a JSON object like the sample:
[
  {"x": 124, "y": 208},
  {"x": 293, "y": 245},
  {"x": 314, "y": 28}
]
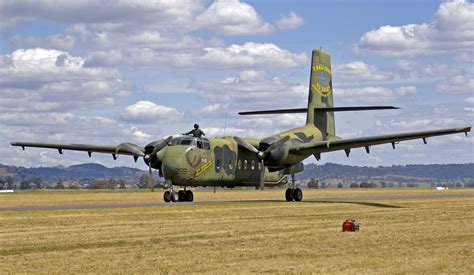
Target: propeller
[
  {"x": 157, "y": 146},
  {"x": 261, "y": 154},
  {"x": 138, "y": 151},
  {"x": 151, "y": 181}
]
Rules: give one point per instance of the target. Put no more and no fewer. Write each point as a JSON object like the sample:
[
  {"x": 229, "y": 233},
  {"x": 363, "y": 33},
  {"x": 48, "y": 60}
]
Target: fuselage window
[
  {"x": 239, "y": 164},
  {"x": 253, "y": 165},
  {"x": 245, "y": 164}
]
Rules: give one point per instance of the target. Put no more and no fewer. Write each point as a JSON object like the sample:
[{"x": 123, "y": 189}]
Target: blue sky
[{"x": 118, "y": 71}]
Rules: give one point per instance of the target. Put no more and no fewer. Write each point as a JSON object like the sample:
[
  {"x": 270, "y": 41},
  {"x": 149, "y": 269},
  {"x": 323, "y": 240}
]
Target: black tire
[
  {"x": 189, "y": 196},
  {"x": 289, "y": 194},
  {"x": 167, "y": 196},
  {"x": 174, "y": 196},
  {"x": 181, "y": 195},
  {"x": 298, "y": 194}
]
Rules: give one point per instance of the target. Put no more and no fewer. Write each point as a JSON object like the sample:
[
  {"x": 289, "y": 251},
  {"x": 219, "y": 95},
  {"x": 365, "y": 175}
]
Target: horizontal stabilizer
[{"x": 319, "y": 109}]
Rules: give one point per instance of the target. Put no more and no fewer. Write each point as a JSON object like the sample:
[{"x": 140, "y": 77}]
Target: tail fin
[{"x": 320, "y": 93}]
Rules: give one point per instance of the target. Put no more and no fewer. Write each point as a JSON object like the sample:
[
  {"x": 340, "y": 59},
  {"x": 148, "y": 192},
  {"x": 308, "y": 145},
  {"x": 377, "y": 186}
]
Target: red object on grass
[{"x": 350, "y": 225}]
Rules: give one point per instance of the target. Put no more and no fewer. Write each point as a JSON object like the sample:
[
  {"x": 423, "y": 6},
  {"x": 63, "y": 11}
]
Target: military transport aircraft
[{"x": 235, "y": 161}]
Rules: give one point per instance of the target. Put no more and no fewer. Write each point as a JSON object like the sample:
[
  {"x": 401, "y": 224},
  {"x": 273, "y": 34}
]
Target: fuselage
[{"x": 191, "y": 161}]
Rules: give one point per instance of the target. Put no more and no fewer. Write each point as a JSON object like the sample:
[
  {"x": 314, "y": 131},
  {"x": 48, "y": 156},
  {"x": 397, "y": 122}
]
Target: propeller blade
[
  {"x": 130, "y": 148},
  {"x": 262, "y": 175},
  {"x": 245, "y": 145},
  {"x": 161, "y": 145},
  {"x": 276, "y": 144},
  {"x": 150, "y": 178}
]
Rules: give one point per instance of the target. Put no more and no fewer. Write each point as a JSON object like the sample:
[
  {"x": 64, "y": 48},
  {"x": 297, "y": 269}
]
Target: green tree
[
  {"x": 122, "y": 183},
  {"x": 37, "y": 183},
  {"x": 355, "y": 185},
  {"x": 313, "y": 183},
  {"x": 24, "y": 185},
  {"x": 59, "y": 185}
]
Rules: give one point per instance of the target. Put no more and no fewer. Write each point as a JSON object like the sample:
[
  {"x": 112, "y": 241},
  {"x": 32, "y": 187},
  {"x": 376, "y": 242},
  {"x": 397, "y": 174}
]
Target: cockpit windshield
[{"x": 202, "y": 143}]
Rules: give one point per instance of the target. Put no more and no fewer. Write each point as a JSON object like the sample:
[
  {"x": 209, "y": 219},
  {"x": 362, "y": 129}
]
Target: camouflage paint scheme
[
  {"x": 223, "y": 164},
  {"x": 226, "y": 163}
]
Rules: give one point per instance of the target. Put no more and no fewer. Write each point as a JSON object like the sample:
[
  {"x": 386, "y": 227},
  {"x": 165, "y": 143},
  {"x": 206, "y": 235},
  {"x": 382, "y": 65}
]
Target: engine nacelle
[{"x": 293, "y": 169}]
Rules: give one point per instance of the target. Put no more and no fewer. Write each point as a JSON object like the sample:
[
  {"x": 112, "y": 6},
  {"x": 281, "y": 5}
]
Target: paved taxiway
[{"x": 359, "y": 200}]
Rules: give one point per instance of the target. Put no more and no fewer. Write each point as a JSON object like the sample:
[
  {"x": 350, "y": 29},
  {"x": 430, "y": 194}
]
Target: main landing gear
[
  {"x": 293, "y": 194},
  {"x": 180, "y": 196}
]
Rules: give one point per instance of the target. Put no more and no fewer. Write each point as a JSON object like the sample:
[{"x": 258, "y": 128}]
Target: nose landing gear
[{"x": 180, "y": 196}]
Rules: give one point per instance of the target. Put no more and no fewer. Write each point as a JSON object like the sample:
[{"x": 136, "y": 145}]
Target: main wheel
[
  {"x": 189, "y": 195},
  {"x": 289, "y": 194},
  {"x": 181, "y": 195},
  {"x": 174, "y": 197},
  {"x": 167, "y": 196},
  {"x": 298, "y": 194}
]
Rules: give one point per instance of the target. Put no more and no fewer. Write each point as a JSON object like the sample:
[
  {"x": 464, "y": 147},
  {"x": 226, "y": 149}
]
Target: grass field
[{"x": 426, "y": 235}]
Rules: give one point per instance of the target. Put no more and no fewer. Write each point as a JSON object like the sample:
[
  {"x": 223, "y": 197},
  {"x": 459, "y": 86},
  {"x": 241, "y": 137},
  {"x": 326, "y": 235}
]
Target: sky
[{"x": 107, "y": 72}]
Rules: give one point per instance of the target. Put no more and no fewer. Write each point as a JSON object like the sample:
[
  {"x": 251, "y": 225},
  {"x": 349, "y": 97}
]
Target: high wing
[
  {"x": 121, "y": 149},
  {"x": 317, "y": 148}
]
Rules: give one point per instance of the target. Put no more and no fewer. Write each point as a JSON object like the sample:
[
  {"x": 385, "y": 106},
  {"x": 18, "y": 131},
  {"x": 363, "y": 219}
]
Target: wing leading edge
[
  {"x": 347, "y": 144},
  {"x": 121, "y": 149}
]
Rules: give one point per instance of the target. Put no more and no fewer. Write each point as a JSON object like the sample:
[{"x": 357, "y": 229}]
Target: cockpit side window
[
  {"x": 206, "y": 145},
  {"x": 186, "y": 142},
  {"x": 174, "y": 142}
]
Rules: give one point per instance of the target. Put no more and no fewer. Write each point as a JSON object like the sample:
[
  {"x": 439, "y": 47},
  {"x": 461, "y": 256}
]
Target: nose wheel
[{"x": 180, "y": 196}]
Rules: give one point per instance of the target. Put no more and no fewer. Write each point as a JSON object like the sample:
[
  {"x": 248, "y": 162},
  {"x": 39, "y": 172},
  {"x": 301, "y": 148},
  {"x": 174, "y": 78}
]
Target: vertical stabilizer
[{"x": 320, "y": 93}]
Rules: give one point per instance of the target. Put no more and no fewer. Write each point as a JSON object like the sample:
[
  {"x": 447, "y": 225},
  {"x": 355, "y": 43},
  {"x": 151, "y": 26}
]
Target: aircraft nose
[
  {"x": 169, "y": 168},
  {"x": 170, "y": 163}
]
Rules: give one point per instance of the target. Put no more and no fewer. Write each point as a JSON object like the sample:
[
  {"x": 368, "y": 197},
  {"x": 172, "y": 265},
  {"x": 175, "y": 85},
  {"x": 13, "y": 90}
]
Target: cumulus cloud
[
  {"x": 247, "y": 55},
  {"x": 469, "y": 100},
  {"x": 113, "y": 14},
  {"x": 156, "y": 34},
  {"x": 359, "y": 72},
  {"x": 252, "y": 55},
  {"x": 147, "y": 111},
  {"x": 253, "y": 92},
  {"x": 291, "y": 21},
  {"x": 405, "y": 90},
  {"x": 373, "y": 93},
  {"x": 227, "y": 17},
  {"x": 56, "y": 41},
  {"x": 51, "y": 80},
  {"x": 456, "y": 84},
  {"x": 233, "y": 17},
  {"x": 450, "y": 30}
]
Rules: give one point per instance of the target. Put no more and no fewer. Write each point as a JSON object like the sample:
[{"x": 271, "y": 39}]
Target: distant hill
[
  {"x": 74, "y": 172},
  {"x": 431, "y": 171}
]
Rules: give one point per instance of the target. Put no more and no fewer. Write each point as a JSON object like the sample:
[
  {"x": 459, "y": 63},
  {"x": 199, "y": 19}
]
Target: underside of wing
[
  {"x": 347, "y": 144},
  {"x": 121, "y": 149}
]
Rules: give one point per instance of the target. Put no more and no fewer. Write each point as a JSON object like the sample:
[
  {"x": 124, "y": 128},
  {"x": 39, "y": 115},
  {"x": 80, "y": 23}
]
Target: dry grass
[{"x": 397, "y": 236}]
